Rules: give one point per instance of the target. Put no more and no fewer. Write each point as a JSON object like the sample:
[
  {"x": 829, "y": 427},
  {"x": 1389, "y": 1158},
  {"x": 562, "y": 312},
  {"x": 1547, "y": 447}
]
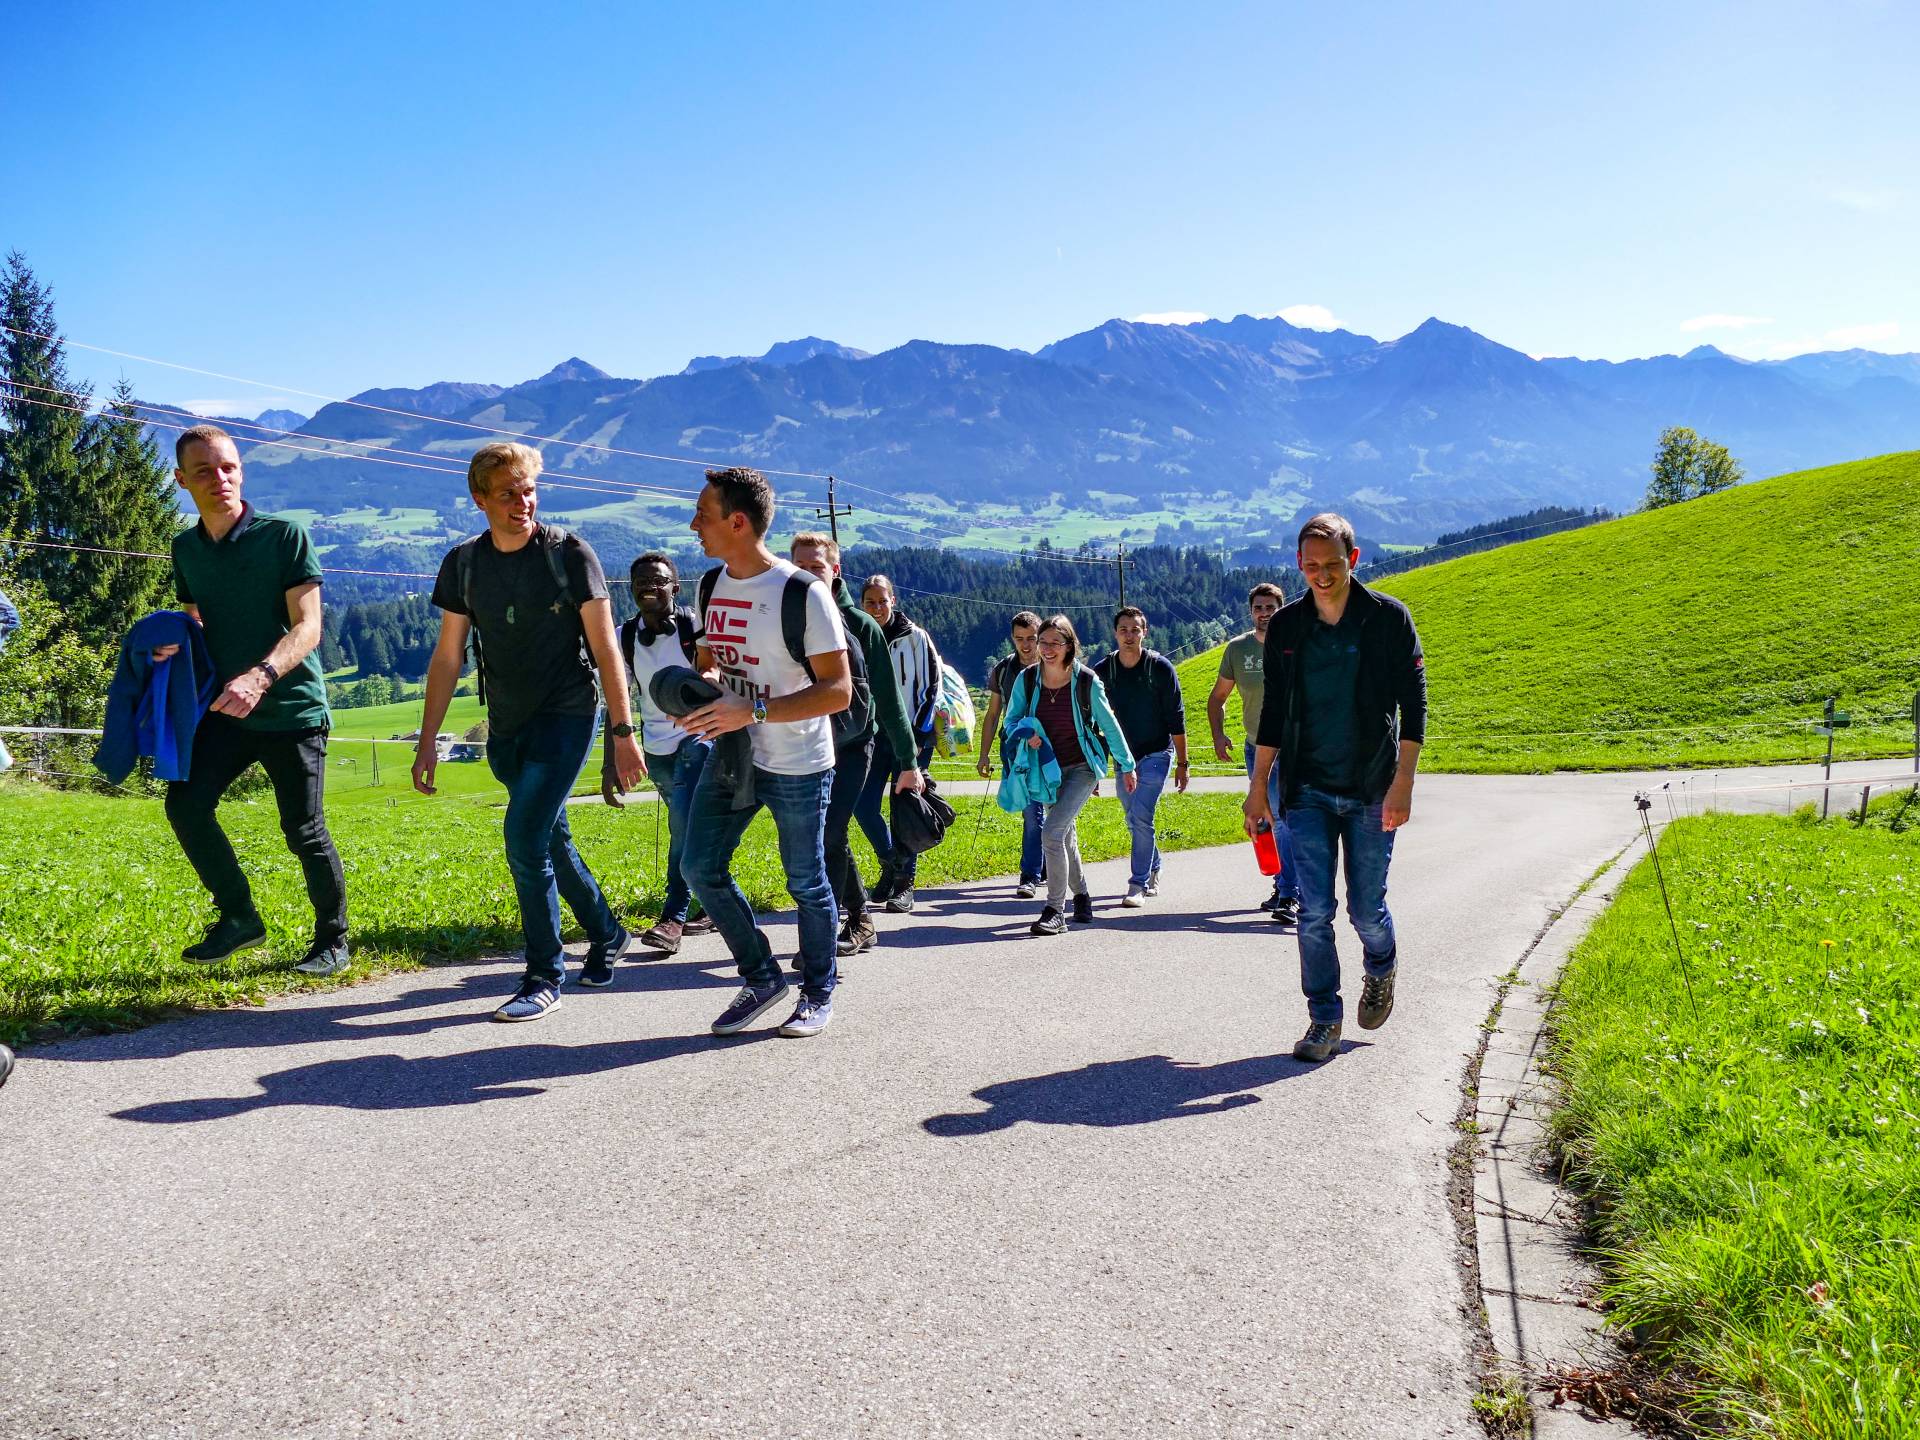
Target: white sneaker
[
  {"x": 1135, "y": 897},
  {"x": 1153, "y": 884}
]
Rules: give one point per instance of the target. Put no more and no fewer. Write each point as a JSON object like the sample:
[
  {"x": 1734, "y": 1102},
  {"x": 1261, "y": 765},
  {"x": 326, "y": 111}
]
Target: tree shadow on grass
[
  {"x": 394, "y": 1082},
  {"x": 1123, "y": 1092}
]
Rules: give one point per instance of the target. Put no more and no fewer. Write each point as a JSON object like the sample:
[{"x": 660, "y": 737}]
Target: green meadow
[
  {"x": 1753, "y": 1167},
  {"x": 1705, "y": 634}
]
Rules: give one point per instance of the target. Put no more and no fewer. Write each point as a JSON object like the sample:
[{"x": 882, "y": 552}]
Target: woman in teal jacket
[{"x": 1070, "y": 704}]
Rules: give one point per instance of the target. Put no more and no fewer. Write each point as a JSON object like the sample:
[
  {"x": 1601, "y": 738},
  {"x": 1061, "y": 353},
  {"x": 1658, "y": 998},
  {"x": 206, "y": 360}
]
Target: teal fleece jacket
[{"x": 1109, "y": 742}]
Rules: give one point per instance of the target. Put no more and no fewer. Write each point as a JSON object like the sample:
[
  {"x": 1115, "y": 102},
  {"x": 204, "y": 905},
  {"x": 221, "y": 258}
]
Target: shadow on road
[
  {"x": 393, "y": 1082},
  {"x": 387, "y": 1019},
  {"x": 1123, "y": 1092}
]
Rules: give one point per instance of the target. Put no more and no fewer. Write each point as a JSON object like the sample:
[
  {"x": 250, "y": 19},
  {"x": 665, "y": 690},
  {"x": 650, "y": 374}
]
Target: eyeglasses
[{"x": 1053, "y": 644}]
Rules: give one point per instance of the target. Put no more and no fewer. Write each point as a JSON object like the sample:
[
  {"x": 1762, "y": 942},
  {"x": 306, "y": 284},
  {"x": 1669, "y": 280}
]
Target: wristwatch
[
  {"x": 759, "y": 709},
  {"x": 273, "y": 675},
  {"x": 620, "y": 732}
]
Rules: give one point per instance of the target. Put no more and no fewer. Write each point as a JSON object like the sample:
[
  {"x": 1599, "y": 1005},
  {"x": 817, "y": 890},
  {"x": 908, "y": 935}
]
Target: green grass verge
[
  {"x": 1756, "y": 1171},
  {"x": 1703, "y": 634},
  {"x": 98, "y": 900}
]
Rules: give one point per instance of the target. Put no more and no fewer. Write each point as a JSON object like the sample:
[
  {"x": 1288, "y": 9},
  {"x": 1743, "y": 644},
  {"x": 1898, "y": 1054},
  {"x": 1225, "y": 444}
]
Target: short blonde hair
[
  {"x": 523, "y": 460},
  {"x": 820, "y": 538}
]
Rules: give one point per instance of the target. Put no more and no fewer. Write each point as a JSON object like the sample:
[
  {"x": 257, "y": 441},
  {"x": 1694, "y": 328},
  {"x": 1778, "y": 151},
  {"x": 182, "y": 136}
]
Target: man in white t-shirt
[{"x": 773, "y": 641}]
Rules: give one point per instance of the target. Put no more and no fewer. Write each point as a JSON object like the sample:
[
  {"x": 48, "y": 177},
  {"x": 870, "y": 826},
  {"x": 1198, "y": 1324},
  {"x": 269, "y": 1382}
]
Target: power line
[
  {"x": 389, "y": 410},
  {"x": 153, "y": 555}
]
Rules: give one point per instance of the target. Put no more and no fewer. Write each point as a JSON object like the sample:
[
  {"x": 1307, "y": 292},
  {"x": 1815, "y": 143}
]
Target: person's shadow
[
  {"x": 394, "y": 1082},
  {"x": 1122, "y": 1092}
]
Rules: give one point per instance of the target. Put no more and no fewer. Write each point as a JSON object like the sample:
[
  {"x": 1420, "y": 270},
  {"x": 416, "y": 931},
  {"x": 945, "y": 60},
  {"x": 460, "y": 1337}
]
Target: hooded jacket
[
  {"x": 154, "y": 708},
  {"x": 1102, "y": 741},
  {"x": 1032, "y": 775},
  {"x": 889, "y": 707},
  {"x": 916, "y": 664}
]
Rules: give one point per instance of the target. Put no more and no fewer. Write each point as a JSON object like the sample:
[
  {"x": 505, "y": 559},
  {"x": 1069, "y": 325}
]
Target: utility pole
[
  {"x": 833, "y": 511},
  {"x": 1120, "y": 563}
]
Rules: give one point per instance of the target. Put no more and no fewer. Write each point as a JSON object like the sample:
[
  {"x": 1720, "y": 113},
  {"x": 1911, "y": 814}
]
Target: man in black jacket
[
  {"x": 1144, "y": 690},
  {"x": 1344, "y": 719}
]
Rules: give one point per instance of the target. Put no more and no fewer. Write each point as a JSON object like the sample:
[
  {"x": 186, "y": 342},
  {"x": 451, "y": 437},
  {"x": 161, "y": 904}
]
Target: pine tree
[
  {"x": 42, "y": 411},
  {"x": 126, "y": 502}
]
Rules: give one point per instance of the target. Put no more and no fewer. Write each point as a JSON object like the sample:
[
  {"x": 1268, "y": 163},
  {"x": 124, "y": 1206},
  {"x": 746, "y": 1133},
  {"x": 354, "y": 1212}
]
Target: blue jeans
[
  {"x": 1033, "y": 858},
  {"x": 867, "y": 810},
  {"x": 675, "y": 777},
  {"x": 538, "y": 766},
  {"x": 1139, "y": 807},
  {"x": 1286, "y": 885},
  {"x": 798, "y": 804},
  {"x": 1324, "y": 824}
]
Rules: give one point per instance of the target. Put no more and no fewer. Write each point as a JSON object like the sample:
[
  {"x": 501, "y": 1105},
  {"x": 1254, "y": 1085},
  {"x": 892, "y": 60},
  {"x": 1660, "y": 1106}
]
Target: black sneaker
[
  {"x": 856, "y": 936},
  {"x": 1376, "y": 1001},
  {"x": 228, "y": 935},
  {"x": 325, "y": 959},
  {"x": 597, "y": 968},
  {"x": 883, "y": 888},
  {"x": 1285, "y": 911},
  {"x": 1321, "y": 1042},
  {"x": 1051, "y": 922},
  {"x": 901, "y": 901},
  {"x": 749, "y": 1005},
  {"x": 1083, "y": 909}
]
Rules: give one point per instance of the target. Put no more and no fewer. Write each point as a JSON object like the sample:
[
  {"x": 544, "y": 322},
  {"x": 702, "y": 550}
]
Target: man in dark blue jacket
[{"x": 1343, "y": 722}]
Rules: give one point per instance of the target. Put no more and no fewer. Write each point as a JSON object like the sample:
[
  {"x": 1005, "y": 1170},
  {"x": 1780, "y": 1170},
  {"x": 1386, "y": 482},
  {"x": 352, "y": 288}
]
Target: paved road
[{"x": 1022, "y": 1187}]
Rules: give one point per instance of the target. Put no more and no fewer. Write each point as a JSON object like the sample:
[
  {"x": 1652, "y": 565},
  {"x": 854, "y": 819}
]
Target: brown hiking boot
[
  {"x": 665, "y": 937},
  {"x": 1321, "y": 1042},
  {"x": 856, "y": 936},
  {"x": 699, "y": 925}
]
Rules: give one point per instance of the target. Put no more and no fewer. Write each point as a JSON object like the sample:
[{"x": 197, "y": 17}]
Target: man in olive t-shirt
[
  {"x": 252, "y": 582},
  {"x": 1243, "y": 668}
]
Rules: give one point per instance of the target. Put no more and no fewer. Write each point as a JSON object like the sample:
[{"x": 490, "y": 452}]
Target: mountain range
[{"x": 1437, "y": 429}]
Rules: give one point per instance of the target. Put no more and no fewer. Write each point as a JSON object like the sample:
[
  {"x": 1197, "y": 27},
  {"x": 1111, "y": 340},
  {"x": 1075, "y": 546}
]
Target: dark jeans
[
  {"x": 675, "y": 776},
  {"x": 1327, "y": 827},
  {"x": 1033, "y": 858},
  {"x": 867, "y": 810},
  {"x": 296, "y": 763},
  {"x": 538, "y": 766},
  {"x": 798, "y": 804},
  {"x": 851, "y": 767}
]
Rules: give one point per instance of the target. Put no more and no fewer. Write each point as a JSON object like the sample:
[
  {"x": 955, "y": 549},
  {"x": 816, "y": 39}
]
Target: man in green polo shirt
[{"x": 253, "y": 583}]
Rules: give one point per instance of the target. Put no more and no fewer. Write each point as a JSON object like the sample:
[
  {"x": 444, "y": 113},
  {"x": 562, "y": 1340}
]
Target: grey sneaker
[
  {"x": 1051, "y": 922},
  {"x": 1376, "y": 1001},
  {"x": 749, "y": 1005},
  {"x": 1026, "y": 889},
  {"x": 809, "y": 1018},
  {"x": 1321, "y": 1042},
  {"x": 1135, "y": 897},
  {"x": 901, "y": 901},
  {"x": 6, "y": 1064},
  {"x": 325, "y": 959},
  {"x": 1153, "y": 884}
]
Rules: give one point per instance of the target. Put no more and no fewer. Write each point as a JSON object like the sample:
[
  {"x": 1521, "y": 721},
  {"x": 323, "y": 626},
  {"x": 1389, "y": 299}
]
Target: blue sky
[{"x": 337, "y": 197}]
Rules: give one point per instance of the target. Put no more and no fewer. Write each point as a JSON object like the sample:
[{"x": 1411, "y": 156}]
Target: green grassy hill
[{"x": 1707, "y": 633}]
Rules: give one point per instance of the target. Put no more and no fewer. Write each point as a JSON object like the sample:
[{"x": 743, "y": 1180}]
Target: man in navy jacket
[{"x": 1343, "y": 722}]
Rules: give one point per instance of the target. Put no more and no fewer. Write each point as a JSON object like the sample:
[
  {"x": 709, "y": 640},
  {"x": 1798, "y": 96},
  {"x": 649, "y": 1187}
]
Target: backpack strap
[
  {"x": 707, "y": 583},
  {"x": 793, "y": 619},
  {"x": 555, "y": 537},
  {"x": 463, "y": 567},
  {"x": 683, "y": 626},
  {"x": 1083, "y": 698}
]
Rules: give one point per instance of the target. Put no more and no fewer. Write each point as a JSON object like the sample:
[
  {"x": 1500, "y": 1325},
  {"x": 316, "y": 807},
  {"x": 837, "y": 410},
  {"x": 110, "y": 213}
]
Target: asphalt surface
[{"x": 1068, "y": 1186}]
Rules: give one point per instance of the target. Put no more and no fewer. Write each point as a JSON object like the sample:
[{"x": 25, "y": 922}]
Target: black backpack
[
  {"x": 554, "y": 537},
  {"x": 852, "y": 725},
  {"x": 1082, "y": 699}
]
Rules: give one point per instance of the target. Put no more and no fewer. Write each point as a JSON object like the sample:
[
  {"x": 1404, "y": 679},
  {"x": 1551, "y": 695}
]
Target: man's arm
[
  {"x": 1397, "y": 809},
  {"x": 987, "y": 731},
  {"x": 246, "y": 690},
  {"x": 1411, "y": 697},
  {"x": 443, "y": 673},
  {"x": 1217, "y": 716},
  {"x": 830, "y": 693},
  {"x": 596, "y": 618}
]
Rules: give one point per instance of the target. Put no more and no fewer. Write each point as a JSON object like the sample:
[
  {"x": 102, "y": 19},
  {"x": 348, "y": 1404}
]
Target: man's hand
[
  {"x": 1222, "y": 749},
  {"x": 242, "y": 694},
  {"x": 1129, "y": 782},
  {"x": 1397, "y": 809},
  {"x": 1255, "y": 810},
  {"x": 1180, "y": 778},
  {"x": 610, "y": 787},
  {"x": 629, "y": 765},
  {"x": 909, "y": 781},
  {"x": 425, "y": 760},
  {"x": 722, "y": 717},
  {"x": 165, "y": 652},
  {"x": 984, "y": 765}
]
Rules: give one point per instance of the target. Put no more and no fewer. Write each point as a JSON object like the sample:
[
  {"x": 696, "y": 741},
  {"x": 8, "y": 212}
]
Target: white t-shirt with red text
[{"x": 743, "y": 632}]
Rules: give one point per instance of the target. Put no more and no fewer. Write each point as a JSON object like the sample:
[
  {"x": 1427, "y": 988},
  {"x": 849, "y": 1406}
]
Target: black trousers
[
  {"x": 850, "y": 767},
  {"x": 296, "y": 763}
]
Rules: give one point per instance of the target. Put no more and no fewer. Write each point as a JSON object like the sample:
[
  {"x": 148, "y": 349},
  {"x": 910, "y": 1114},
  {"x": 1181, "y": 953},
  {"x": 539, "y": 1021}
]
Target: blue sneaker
[
  {"x": 809, "y": 1018},
  {"x": 533, "y": 999},
  {"x": 749, "y": 1005},
  {"x": 598, "y": 967}
]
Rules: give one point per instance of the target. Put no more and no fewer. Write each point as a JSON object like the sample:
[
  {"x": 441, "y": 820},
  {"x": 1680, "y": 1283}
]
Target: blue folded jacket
[
  {"x": 1033, "y": 775},
  {"x": 154, "y": 708}
]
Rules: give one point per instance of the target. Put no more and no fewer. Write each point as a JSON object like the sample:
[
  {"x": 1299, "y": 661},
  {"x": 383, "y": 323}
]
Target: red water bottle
[{"x": 1265, "y": 851}]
